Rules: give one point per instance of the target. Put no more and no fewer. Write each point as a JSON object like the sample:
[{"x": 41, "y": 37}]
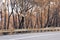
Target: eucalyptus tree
[
  {"x": 4, "y": 8},
  {"x": 0, "y": 13},
  {"x": 11, "y": 6},
  {"x": 24, "y": 6}
]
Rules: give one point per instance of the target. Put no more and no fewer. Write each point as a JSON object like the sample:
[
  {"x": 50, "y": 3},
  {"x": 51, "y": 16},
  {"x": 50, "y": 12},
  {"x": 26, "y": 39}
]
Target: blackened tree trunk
[
  {"x": 47, "y": 23},
  {"x": 13, "y": 19},
  {"x": 41, "y": 19},
  {"x": 5, "y": 19}
]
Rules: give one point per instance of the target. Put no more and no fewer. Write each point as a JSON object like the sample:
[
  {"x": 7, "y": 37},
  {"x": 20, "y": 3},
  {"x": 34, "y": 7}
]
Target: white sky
[
  {"x": 10, "y": 8},
  {"x": 3, "y": 0}
]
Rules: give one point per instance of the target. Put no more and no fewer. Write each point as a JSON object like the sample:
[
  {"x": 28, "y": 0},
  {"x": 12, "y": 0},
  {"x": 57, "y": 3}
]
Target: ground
[{"x": 33, "y": 36}]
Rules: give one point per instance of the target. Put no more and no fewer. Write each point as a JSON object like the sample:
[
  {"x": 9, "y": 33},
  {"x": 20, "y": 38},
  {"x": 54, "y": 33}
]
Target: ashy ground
[{"x": 33, "y": 36}]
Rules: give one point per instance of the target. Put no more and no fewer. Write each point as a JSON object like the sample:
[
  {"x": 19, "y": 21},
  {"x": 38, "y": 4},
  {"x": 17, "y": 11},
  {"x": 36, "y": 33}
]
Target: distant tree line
[{"x": 30, "y": 14}]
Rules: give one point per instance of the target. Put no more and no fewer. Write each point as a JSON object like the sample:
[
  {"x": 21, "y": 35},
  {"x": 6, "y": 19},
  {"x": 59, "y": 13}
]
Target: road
[{"x": 33, "y": 36}]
